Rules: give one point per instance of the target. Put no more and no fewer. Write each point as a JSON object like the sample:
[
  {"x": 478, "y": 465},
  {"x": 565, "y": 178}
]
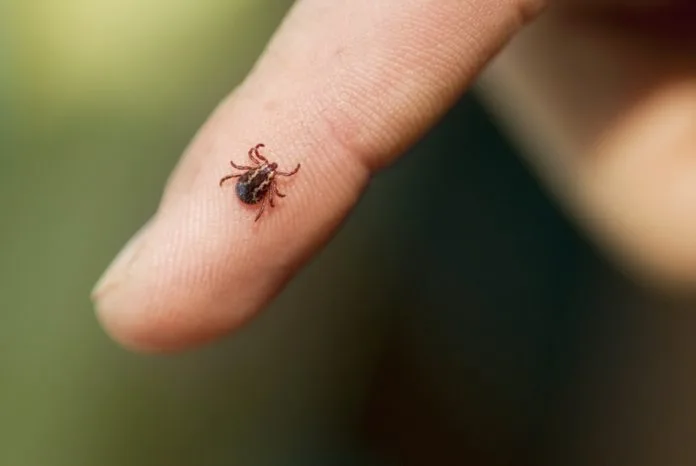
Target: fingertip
[
  {"x": 145, "y": 330},
  {"x": 138, "y": 335}
]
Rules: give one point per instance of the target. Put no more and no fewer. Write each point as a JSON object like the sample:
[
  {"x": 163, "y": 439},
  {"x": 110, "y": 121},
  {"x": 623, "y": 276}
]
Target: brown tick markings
[{"x": 258, "y": 182}]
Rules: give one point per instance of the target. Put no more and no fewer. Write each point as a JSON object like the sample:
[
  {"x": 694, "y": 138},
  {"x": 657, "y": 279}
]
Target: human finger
[{"x": 342, "y": 89}]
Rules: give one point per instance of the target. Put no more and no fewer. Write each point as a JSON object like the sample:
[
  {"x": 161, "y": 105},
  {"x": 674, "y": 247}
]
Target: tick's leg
[
  {"x": 270, "y": 199},
  {"x": 289, "y": 173},
  {"x": 241, "y": 167},
  {"x": 259, "y": 156},
  {"x": 228, "y": 177},
  {"x": 275, "y": 190},
  {"x": 263, "y": 206},
  {"x": 251, "y": 155}
]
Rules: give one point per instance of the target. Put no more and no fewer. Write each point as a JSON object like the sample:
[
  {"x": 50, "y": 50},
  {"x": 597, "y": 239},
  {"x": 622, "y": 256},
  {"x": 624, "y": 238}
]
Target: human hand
[
  {"x": 603, "y": 94},
  {"x": 343, "y": 88}
]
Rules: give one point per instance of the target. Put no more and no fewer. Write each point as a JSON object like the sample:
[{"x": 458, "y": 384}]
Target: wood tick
[{"x": 258, "y": 182}]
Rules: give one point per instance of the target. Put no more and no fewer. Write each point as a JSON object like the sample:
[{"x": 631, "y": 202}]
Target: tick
[{"x": 258, "y": 182}]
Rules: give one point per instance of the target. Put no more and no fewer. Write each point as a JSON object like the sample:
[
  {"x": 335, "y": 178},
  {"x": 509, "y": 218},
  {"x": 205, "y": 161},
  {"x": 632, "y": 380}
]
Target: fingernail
[{"x": 117, "y": 271}]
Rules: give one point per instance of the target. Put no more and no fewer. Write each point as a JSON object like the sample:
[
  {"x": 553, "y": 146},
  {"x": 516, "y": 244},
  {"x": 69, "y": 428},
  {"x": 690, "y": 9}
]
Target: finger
[
  {"x": 611, "y": 130},
  {"x": 342, "y": 89}
]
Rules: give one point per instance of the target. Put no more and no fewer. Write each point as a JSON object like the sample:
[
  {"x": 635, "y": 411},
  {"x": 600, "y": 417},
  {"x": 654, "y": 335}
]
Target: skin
[{"x": 344, "y": 89}]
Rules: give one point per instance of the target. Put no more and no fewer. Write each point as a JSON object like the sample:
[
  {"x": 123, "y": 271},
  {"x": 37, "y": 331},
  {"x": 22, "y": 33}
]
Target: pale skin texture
[{"x": 344, "y": 88}]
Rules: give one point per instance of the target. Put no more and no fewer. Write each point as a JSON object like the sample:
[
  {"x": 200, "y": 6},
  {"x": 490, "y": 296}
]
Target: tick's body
[
  {"x": 253, "y": 186},
  {"x": 258, "y": 183}
]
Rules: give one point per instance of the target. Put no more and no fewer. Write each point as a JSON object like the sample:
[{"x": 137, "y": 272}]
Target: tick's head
[{"x": 273, "y": 166}]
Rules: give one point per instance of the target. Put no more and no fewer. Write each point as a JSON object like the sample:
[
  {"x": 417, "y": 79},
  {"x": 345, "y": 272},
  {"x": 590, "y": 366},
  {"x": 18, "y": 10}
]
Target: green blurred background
[{"x": 450, "y": 322}]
